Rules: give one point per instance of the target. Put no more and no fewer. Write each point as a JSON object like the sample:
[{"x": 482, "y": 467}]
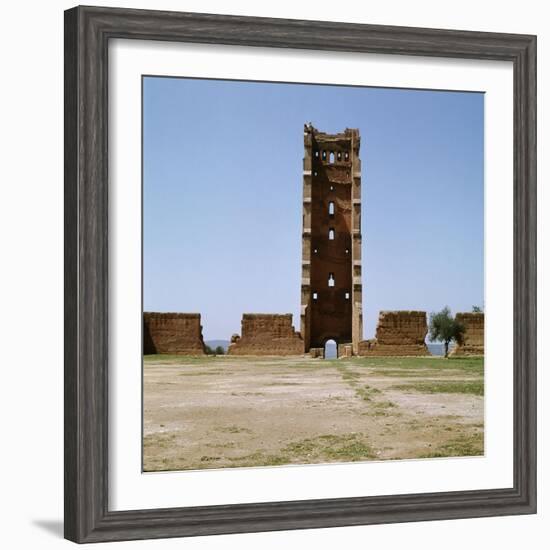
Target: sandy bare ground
[{"x": 218, "y": 412}]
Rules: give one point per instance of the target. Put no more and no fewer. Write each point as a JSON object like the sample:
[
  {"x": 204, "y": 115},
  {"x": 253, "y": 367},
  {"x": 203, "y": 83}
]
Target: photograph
[
  {"x": 277, "y": 269},
  {"x": 300, "y": 272},
  {"x": 313, "y": 273}
]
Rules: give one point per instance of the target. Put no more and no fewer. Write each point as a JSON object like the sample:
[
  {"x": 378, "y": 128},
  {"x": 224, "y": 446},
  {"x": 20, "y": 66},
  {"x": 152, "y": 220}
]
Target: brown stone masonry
[
  {"x": 473, "y": 342},
  {"x": 172, "y": 333},
  {"x": 398, "y": 333},
  {"x": 331, "y": 239},
  {"x": 266, "y": 334}
]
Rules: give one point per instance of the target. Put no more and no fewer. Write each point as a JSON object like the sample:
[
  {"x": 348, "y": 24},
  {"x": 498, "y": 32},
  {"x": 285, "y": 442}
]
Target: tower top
[{"x": 347, "y": 135}]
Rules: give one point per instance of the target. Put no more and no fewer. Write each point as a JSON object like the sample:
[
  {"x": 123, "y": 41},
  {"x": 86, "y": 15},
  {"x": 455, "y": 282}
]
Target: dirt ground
[{"x": 219, "y": 412}]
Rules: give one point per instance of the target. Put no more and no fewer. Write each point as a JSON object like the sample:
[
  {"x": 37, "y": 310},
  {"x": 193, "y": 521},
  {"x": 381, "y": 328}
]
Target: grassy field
[{"x": 224, "y": 411}]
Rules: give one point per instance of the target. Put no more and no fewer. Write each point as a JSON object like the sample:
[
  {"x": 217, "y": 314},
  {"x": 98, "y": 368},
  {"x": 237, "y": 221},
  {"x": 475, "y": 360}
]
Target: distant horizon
[
  {"x": 331, "y": 346},
  {"x": 222, "y": 191}
]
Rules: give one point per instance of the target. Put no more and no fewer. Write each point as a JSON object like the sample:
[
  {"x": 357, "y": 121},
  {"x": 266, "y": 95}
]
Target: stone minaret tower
[{"x": 331, "y": 239}]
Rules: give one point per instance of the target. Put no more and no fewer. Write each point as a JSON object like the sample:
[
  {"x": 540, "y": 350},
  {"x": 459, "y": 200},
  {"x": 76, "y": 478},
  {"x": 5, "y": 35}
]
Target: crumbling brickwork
[
  {"x": 172, "y": 333},
  {"x": 345, "y": 350},
  {"x": 266, "y": 334},
  {"x": 317, "y": 353},
  {"x": 398, "y": 333},
  {"x": 473, "y": 341},
  {"x": 331, "y": 239}
]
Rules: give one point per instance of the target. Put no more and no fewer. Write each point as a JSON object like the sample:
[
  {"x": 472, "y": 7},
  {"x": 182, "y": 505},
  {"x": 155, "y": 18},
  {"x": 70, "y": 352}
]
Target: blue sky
[{"x": 222, "y": 192}]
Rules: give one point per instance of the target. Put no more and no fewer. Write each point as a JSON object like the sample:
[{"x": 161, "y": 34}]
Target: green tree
[
  {"x": 477, "y": 309},
  {"x": 219, "y": 350},
  {"x": 208, "y": 350},
  {"x": 445, "y": 328}
]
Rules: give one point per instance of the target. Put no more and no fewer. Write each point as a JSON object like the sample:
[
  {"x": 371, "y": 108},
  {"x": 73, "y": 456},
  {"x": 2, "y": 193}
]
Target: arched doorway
[{"x": 331, "y": 349}]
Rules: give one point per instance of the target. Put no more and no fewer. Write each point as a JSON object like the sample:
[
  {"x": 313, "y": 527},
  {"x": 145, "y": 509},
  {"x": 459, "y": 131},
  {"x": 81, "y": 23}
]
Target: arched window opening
[
  {"x": 331, "y": 208},
  {"x": 347, "y": 250},
  {"x": 315, "y": 251},
  {"x": 347, "y": 295},
  {"x": 331, "y": 157},
  {"x": 346, "y": 156},
  {"x": 331, "y": 280},
  {"x": 339, "y": 155},
  {"x": 315, "y": 296},
  {"x": 316, "y": 153},
  {"x": 332, "y": 187},
  {"x": 324, "y": 155},
  {"x": 331, "y": 234},
  {"x": 331, "y": 349}
]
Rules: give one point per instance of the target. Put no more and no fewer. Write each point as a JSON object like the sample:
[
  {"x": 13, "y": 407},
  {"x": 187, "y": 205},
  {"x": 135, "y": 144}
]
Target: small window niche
[
  {"x": 331, "y": 208},
  {"x": 347, "y": 250},
  {"x": 316, "y": 153},
  {"x": 347, "y": 295},
  {"x": 346, "y": 156},
  {"x": 331, "y": 234},
  {"x": 339, "y": 156},
  {"x": 331, "y": 280},
  {"x": 315, "y": 296},
  {"x": 324, "y": 155},
  {"x": 332, "y": 187},
  {"x": 315, "y": 251}
]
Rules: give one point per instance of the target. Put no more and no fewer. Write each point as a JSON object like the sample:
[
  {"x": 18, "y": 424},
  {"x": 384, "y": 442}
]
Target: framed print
[{"x": 300, "y": 274}]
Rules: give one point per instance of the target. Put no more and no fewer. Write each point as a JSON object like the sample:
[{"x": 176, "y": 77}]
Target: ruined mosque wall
[
  {"x": 172, "y": 333},
  {"x": 266, "y": 334},
  {"x": 473, "y": 341},
  {"x": 398, "y": 333}
]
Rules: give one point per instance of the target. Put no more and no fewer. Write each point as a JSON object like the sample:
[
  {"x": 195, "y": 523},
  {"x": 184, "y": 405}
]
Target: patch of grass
[
  {"x": 234, "y": 430},
  {"x": 324, "y": 448},
  {"x": 258, "y": 459},
  {"x": 162, "y": 440},
  {"x": 228, "y": 445},
  {"x": 309, "y": 366},
  {"x": 385, "y": 405},
  {"x": 169, "y": 359},
  {"x": 205, "y": 373},
  {"x": 408, "y": 373},
  {"x": 461, "y": 446},
  {"x": 468, "y": 387},
  {"x": 349, "y": 376},
  {"x": 381, "y": 408},
  {"x": 366, "y": 392},
  {"x": 335, "y": 398},
  {"x": 440, "y": 365},
  {"x": 210, "y": 458},
  {"x": 346, "y": 447},
  {"x": 275, "y": 460}
]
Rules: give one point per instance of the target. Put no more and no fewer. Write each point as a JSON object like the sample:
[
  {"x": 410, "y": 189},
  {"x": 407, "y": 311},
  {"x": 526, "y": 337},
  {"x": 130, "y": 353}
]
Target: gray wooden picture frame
[{"x": 87, "y": 34}]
